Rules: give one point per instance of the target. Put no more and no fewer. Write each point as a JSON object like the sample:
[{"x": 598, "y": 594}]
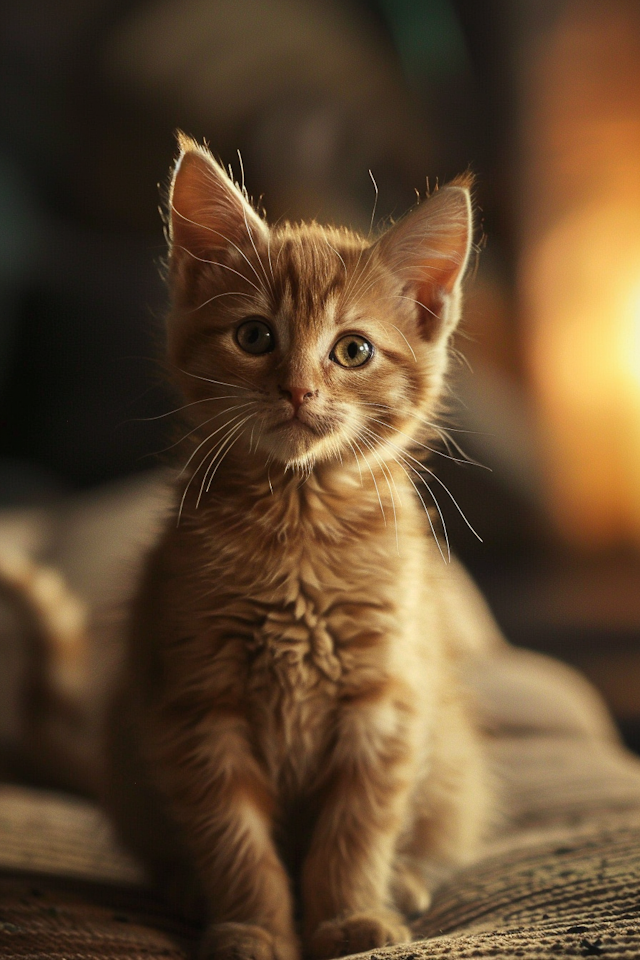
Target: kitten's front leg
[
  {"x": 347, "y": 874},
  {"x": 220, "y": 798}
]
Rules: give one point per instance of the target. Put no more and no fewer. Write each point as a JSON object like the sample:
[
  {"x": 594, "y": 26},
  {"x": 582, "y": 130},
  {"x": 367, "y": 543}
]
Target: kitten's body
[{"x": 290, "y": 713}]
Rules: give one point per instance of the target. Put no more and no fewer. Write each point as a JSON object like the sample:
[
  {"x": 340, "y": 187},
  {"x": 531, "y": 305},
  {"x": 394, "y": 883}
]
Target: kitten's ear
[
  {"x": 429, "y": 250},
  {"x": 208, "y": 212}
]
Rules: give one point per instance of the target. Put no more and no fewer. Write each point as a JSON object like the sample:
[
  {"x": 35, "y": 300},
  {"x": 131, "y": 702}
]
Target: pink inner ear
[
  {"x": 208, "y": 212},
  {"x": 430, "y": 301},
  {"x": 429, "y": 249}
]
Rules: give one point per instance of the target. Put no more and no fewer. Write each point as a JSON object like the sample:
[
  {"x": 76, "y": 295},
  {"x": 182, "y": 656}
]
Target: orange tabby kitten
[{"x": 290, "y": 743}]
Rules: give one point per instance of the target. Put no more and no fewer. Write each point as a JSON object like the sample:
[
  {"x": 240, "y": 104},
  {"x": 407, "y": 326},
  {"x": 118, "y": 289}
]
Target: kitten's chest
[{"x": 294, "y": 674}]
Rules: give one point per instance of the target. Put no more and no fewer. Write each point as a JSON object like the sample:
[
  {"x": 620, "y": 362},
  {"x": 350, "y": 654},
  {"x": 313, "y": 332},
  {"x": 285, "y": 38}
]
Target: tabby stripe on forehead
[{"x": 292, "y": 280}]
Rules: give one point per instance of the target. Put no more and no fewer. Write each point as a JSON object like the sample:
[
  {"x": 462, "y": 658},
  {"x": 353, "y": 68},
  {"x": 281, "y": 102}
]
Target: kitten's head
[{"x": 312, "y": 343}]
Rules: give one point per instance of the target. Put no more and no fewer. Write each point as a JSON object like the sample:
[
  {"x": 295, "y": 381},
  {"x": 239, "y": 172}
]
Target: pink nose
[{"x": 296, "y": 395}]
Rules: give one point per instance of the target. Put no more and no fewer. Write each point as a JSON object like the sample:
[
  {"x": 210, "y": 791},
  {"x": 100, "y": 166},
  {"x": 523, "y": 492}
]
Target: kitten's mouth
[
  {"x": 297, "y": 438},
  {"x": 295, "y": 426}
]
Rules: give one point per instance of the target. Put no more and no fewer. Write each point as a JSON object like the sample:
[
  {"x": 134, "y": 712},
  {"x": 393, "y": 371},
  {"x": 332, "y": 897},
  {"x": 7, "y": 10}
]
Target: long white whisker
[
  {"x": 374, "y": 481},
  {"x": 383, "y": 466},
  {"x": 355, "y": 276},
  {"x": 430, "y": 449},
  {"x": 161, "y": 416},
  {"x": 202, "y": 443},
  {"x": 356, "y": 459},
  {"x": 224, "y": 266},
  {"x": 204, "y": 459},
  {"x": 413, "y": 354},
  {"x": 269, "y": 257},
  {"x": 203, "y": 423},
  {"x": 384, "y": 474},
  {"x": 442, "y": 433},
  {"x": 332, "y": 248},
  {"x": 221, "y": 451},
  {"x": 433, "y": 531},
  {"x": 203, "y": 226},
  {"x": 221, "y": 383},
  {"x": 442, "y": 484},
  {"x": 221, "y": 454},
  {"x": 419, "y": 303},
  {"x": 404, "y": 457},
  {"x": 269, "y": 288},
  {"x": 226, "y": 293},
  {"x": 455, "y": 502},
  {"x": 375, "y": 202}
]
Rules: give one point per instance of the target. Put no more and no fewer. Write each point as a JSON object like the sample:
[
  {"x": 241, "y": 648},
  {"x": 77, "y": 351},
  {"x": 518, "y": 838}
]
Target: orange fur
[{"x": 290, "y": 728}]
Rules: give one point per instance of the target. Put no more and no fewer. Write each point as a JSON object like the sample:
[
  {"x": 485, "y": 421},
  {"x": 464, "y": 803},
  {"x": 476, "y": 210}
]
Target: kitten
[{"x": 290, "y": 744}]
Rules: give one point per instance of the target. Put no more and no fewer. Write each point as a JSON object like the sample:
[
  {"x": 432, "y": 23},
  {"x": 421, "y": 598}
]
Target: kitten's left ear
[{"x": 429, "y": 250}]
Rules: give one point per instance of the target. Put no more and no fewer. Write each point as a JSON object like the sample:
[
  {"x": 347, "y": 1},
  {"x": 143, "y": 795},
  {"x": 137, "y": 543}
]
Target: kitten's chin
[{"x": 298, "y": 445}]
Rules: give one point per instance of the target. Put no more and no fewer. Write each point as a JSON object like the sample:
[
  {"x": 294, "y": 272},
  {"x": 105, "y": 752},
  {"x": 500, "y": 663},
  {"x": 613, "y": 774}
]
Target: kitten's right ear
[
  {"x": 429, "y": 250},
  {"x": 207, "y": 211}
]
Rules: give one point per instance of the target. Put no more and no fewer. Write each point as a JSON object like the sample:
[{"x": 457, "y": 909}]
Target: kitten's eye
[
  {"x": 352, "y": 351},
  {"x": 255, "y": 336}
]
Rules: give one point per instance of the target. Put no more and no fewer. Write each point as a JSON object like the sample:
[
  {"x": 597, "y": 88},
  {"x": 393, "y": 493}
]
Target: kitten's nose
[{"x": 296, "y": 395}]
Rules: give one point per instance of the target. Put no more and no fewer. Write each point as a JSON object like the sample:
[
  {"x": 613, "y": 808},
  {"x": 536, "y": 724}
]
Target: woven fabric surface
[
  {"x": 560, "y": 879},
  {"x": 66, "y": 920}
]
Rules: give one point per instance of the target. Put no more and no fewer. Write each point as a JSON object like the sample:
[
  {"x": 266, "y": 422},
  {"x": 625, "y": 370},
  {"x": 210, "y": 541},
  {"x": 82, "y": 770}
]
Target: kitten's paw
[
  {"x": 245, "y": 941},
  {"x": 357, "y": 933},
  {"x": 409, "y": 890}
]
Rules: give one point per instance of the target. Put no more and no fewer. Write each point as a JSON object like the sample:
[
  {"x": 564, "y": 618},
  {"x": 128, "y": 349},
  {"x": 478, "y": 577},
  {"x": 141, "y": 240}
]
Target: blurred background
[{"x": 540, "y": 98}]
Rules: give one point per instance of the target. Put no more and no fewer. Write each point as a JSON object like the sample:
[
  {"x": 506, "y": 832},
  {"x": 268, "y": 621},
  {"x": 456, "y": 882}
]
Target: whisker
[
  {"x": 202, "y": 443},
  {"x": 387, "y": 323},
  {"x": 356, "y": 459},
  {"x": 375, "y": 203},
  {"x": 404, "y": 457},
  {"x": 383, "y": 466},
  {"x": 333, "y": 249},
  {"x": 223, "y": 449},
  {"x": 268, "y": 289},
  {"x": 203, "y": 423},
  {"x": 384, "y": 474},
  {"x": 169, "y": 413},
  {"x": 224, "y": 266},
  {"x": 217, "y": 233},
  {"x": 447, "y": 456},
  {"x": 355, "y": 286},
  {"x": 443, "y": 485},
  {"x": 355, "y": 276},
  {"x": 426, "y": 510},
  {"x": 269, "y": 256},
  {"x": 374, "y": 481},
  {"x": 460, "y": 357},
  {"x": 226, "y": 293},
  {"x": 419, "y": 303},
  {"x": 204, "y": 459},
  {"x": 444, "y": 435},
  {"x": 221, "y": 383}
]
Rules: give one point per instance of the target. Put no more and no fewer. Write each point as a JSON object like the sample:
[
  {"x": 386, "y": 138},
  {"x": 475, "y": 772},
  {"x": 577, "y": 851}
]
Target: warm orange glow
[
  {"x": 584, "y": 293},
  {"x": 632, "y": 346},
  {"x": 580, "y": 276}
]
